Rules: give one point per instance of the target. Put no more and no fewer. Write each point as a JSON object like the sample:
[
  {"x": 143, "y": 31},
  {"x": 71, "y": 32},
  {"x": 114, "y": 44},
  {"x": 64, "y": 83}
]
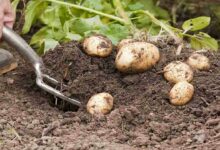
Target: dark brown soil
[{"x": 142, "y": 117}]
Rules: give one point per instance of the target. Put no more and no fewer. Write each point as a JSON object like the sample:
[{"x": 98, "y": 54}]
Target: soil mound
[{"x": 142, "y": 114}]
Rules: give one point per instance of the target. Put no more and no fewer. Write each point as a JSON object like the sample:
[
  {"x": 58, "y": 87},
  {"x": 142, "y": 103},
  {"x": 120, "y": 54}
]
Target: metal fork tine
[
  {"x": 55, "y": 92},
  {"x": 49, "y": 89},
  {"x": 53, "y": 81}
]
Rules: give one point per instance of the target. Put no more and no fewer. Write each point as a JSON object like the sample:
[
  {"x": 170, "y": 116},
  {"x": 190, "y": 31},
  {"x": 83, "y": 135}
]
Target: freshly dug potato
[
  {"x": 100, "y": 103},
  {"x": 178, "y": 71},
  {"x": 97, "y": 45},
  {"x": 198, "y": 61},
  {"x": 124, "y": 42},
  {"x": 181, "y": 93},
  {"x": 136, "y": 57}
]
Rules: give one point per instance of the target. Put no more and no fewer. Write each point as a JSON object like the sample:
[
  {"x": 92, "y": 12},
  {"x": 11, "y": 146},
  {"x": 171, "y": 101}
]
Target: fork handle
[{"x": 21, "y": 46}]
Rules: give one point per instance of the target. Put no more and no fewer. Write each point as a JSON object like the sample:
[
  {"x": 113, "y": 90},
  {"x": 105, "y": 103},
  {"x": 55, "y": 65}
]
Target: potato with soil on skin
[
  {"x": 198, "y": 61},
  {"x": 125, "y": 42},
  {"x": 136, "y": 57},
  {"x": 178, "y": 71},
  {"x": 100, "y": 103},
  {"x": 181, "y": 93},
  {"x": 97, "y": 45}
]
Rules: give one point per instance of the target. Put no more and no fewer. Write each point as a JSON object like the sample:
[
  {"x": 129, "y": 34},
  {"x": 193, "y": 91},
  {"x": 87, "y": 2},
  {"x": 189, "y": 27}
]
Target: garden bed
[{"x": 142, "y": 117}]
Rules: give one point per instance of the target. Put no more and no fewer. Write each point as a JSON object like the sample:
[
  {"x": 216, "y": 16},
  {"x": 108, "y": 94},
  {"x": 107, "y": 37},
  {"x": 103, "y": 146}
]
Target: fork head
[{"x": 40, "y": 82}]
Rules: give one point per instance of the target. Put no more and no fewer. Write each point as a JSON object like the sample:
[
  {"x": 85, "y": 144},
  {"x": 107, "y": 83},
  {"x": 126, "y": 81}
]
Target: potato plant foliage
[{"x": 66, "y": 20}]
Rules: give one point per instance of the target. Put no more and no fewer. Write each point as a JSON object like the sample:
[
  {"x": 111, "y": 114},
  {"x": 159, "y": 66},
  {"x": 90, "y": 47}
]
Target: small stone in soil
[
  {"x": 10, "y": 81},
  {"x": 200, "y": 136}
]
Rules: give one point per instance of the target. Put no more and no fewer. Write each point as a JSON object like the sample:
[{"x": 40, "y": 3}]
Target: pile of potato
[
  {"x": 181, "y": 74},
  {"x": 136, "y": 56}
]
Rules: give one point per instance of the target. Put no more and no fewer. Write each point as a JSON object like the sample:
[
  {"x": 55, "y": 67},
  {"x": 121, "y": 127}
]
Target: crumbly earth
[{"x": 142, "y": 117}]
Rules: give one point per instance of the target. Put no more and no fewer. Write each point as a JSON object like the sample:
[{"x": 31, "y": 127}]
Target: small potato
[
  {"x": 97, "y": 45},
  {"x": 137, "y": 57},
  {"x": 124, "y": 42},
  {"x": 181, "y": 93},
  {"x": 198, "y": 61},
  {"x": 100, "y": 103},
  {"x": 178, "y": 71}
]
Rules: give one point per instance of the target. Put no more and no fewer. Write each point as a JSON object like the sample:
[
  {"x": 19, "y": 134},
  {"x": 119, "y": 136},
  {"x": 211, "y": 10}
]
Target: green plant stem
[
  {"x": 159, "y": 23},
  {"x": 188, "y": 35},
  {"x": 124, "y": 15},
  {"x": 122, "y": 12},
  {"x": 89, "y": 10}
]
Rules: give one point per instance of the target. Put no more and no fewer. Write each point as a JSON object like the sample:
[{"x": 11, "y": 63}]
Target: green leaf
[
  {"x": 45, "y": 39},
  {"x": 37, "y": 40},
  {"x": 204, "y": 41},
  {"x": 141, "y": 20},
  {"x": 15, "y": 4},
  {"x": 136, "y": 6},
  {"x": 58, "y": 34},
  {"x": 64, "y": 14},
  {"x": 38, "y": 37},
  {"x": 51, "y": 18},
  {"x": 161, "y": 13},
  {"x": 81, "y": 25},
  {"x": 73, "y": 36},
  {"x": 107, "y": 8},
  {"x": 50, "y": 44},
  {"x": 195, "y": 44},
  {"x": 115, "y": 32},
  {"x": 34, "y": 9},
  {"x": 196, "y": 23},
  {"x": 94, "y": 4},
  {"x": 149, "y": 5},
  {"x": 67, "y": 25},
  {"x": 154, "y": 29}
]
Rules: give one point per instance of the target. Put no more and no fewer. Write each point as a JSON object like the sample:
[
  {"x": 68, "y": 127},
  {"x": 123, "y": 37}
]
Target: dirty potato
[
  {"x": 181, "y": 93},
  {"x": 100, "y": 103},
  {"x": 97, "y": 45},
  {"x": 136, "y": 57},
  {"x": 178, "y": 71},
  {"x": 198, "y": 61},
  {"x": 125, "y": 42}
]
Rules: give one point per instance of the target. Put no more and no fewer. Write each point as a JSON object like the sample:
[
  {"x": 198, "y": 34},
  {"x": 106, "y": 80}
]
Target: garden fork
[{"x": 29, "y": 54}]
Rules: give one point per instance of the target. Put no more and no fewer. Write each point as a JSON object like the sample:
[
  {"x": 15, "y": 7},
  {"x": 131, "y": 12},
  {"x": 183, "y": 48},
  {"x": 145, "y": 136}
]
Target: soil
[{"x": 142, "y": 117}]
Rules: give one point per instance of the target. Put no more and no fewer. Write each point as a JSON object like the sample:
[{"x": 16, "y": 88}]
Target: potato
[
  {"x": 178, "y": 71},
  {"x": 136, "y": 57},
  {"x": 198, "y": 61},
  {"x": 124, "y": 42},
  {"x": 97, "y": 45},
  {"x": 181, "y": 93},
  {"x": 100, "y": 103}
]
